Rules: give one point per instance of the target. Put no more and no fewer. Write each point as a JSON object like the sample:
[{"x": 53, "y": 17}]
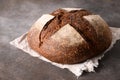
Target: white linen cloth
[{"x": 77, "y": 69}]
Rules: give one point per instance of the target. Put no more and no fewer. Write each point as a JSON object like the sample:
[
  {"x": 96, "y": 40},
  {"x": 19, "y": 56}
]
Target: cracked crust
[{"x": 80, "y": 39}]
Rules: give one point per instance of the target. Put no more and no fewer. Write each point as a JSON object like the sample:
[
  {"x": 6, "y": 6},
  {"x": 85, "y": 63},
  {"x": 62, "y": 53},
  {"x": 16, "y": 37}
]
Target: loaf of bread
[{"x": 69, "y": 36}]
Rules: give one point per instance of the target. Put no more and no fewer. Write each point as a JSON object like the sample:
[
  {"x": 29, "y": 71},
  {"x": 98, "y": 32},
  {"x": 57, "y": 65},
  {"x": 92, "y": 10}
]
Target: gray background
[{"x": 17, "y": 16}]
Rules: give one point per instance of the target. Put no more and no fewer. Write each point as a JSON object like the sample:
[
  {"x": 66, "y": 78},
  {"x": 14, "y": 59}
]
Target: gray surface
[{"x": 16, "y": 17}]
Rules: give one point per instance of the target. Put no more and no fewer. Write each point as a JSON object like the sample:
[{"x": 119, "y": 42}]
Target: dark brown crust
[{"x": 56, "y": 52}]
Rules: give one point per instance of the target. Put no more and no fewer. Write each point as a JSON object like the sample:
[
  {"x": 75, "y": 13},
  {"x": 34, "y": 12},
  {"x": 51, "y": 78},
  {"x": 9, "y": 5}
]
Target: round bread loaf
[{"x": 70, "y": 36}]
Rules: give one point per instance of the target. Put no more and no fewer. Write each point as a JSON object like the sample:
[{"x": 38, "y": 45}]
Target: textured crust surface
[{"x": 91, "y": 42}]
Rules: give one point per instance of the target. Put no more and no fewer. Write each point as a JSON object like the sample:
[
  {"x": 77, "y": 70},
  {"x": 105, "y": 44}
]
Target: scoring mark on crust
[
  {"x": 40, "y": 23},
  {"x": 67, "y": 35}
]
